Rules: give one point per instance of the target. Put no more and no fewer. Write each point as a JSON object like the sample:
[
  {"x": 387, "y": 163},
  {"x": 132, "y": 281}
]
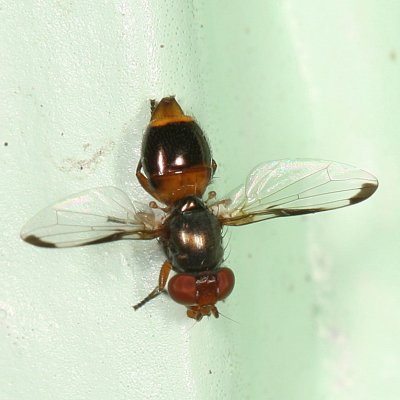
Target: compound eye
[
  {"x": 182, "y": 289},
  {"x": 226, "y": 282}
]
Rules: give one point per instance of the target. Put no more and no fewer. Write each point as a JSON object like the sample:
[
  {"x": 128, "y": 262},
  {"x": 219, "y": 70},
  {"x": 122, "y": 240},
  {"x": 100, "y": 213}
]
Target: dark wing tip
[
  {"x": 366, "y": 190},
  {"x": 32, "y": 239},
  {"x": 290, "y": 212}
]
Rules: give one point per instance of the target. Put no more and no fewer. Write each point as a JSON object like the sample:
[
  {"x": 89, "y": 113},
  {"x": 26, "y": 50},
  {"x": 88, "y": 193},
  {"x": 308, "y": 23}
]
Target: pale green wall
[{"x": 316, "y": 298}]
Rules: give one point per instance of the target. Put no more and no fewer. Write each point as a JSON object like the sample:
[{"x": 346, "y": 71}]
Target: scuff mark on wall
[{"x": 89, "y": 163}]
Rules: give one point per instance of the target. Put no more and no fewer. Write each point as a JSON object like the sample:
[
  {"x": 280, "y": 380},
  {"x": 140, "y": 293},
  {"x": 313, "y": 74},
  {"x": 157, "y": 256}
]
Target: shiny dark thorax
[{"x": 192, "y": 237}]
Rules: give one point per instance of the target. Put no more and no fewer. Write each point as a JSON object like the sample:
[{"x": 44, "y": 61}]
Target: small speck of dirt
[
  {"x": 162, "y": 46},
  {"x": 393, "y": 56},
  {"x": 5, "y": 144},
  {"x": 209, "y": 371}
]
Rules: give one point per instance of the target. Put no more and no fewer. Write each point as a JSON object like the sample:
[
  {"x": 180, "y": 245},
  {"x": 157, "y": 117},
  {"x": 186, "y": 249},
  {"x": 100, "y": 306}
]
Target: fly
[{"x": 175, "y": 168}]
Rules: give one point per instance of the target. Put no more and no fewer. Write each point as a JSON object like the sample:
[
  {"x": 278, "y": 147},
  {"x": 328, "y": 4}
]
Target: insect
[{"x": 175, "y": 168}]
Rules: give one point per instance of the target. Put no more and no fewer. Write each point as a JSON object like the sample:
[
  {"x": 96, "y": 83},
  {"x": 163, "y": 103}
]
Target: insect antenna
[
  {"x": 192, "y": 326},
  {"x": 230, "y": 319}
]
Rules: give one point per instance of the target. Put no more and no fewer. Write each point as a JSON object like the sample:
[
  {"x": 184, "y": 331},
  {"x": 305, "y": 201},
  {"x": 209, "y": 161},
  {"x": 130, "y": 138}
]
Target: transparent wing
[
  {"x": 284, "y": 188},
  {"x": 93, "y": 216}
]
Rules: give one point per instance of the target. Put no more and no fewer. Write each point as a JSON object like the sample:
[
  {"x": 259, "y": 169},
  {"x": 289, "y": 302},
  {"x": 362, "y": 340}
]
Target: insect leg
[
  {"x": 162, "y": 281},
  {"x": 210, "y": 196},
  {"x": 143, "y": 179}
]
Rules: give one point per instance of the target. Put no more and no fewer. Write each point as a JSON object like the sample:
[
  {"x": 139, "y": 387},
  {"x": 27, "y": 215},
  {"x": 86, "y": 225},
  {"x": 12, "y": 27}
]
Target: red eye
[
  {"x": 204, "y": 290},
  {"x": 182, "y": 289},
  {"x": 226, "y": 282}
]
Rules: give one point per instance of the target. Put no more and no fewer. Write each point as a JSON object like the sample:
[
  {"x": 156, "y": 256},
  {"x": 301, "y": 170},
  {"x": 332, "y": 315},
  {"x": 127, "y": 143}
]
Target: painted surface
[{"x": 316, "y": 298}]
